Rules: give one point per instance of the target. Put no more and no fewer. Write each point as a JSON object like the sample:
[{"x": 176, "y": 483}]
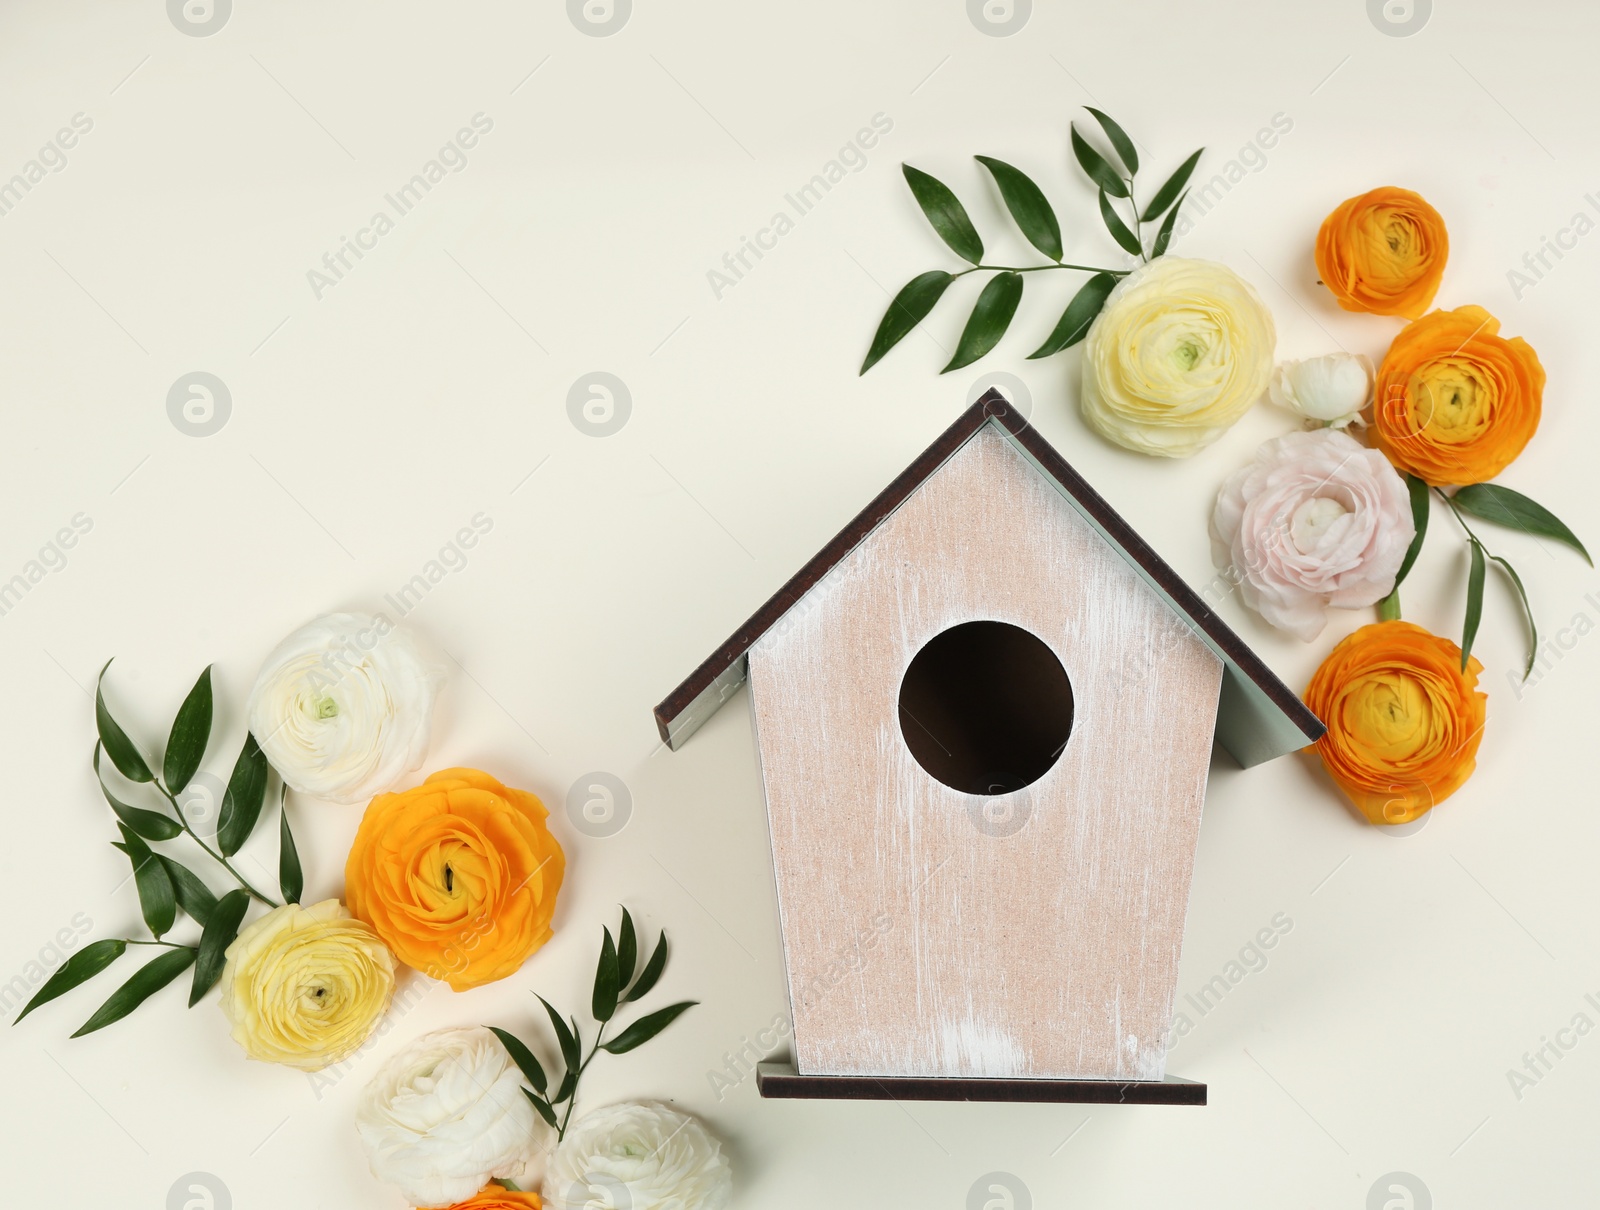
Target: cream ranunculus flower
[
  {"x": 1179, "y": 352},
  {"x": 446, "y": 1115},
  {"x": 1330, "y": 390},
  {"x": 342, "y": 706},
  {"x": 642, "y": 1156},
  {"x": 305, "y": 986}
]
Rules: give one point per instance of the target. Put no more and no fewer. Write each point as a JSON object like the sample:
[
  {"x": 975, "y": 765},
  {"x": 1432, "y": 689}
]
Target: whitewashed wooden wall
[{"x": 920, "y": 937}]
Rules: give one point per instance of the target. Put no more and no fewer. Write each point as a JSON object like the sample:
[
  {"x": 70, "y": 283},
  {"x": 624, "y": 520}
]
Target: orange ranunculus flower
[
  {"x": 1455, "y": 401},
  {"x": 1403, "y": 719},
  {"x": 497, "y": 1197},
  {"x": 458, "y": 876},
  {"x": 1383, "y": 252}
]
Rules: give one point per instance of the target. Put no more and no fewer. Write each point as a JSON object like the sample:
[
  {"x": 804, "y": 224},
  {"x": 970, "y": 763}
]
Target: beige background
[{"x": 1407, "y": 974}]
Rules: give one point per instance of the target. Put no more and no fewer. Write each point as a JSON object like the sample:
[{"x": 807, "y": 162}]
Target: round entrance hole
[{"x": 986, "y": 707}]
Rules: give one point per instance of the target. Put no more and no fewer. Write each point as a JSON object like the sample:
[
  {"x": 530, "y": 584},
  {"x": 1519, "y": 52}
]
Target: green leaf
[
  {"x": 1100, "y": 172},
  {"x": 241, "y": 802},
  {"x": 1118, "y": 228},
  {"x": 215, "y": 938},
  {"x": 627, "y": 950},
  {"x": 157, "y": 900},
  {"x": 569, "y": 1085},
  {"x": 652, "y": 971},
  {"x": 1119, "y": 140},
  {"x": 193, "y": 896},
  {"x": 80, "y": 968},
  {"x": 1501, "y": 505},
  {"x": 1173, "y": 186},
  {"x": 151, "y": 825},
  {"x": 906, "y": 310},
  {"x": 522, "y": 1057},
  {"x": 567, "y": 1038},
  {"x": 1074, "y": 323},
  {"x": 191, "y": 731},
  {"x": 1419, "y": 520},
  {"x": 945, "y": 211},
  {"x": 1469, "y": 628},
  {"x": 545, "y": 1112},
  {"x": 291, "y": 881},
  {"x": 647, "y": 1027},
  {"x": 605, "y": 980},
  {"x": 1028, "y": 206},
  {"x": 1164, "y": 235},
  {"x": 1389, "y": 607},
  {"x": 990, "y": 318},
  {"x": 117, "y": 744},
  {"x": 146, "y": 982},
  {"x": 1527, "y": 612}
]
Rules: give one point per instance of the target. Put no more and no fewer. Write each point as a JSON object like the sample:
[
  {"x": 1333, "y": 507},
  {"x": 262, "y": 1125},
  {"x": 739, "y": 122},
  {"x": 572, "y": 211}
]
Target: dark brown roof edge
[
  {"x": 991, "y": 407},
  {"x": 868, "y": 519}
]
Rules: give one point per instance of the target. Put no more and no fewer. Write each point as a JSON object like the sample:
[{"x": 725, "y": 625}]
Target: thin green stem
[
  {"x": 561, "y": 1130},
  {"x": 212, "y": 853},
  {"x": 1038, "y": 269},
  {"x": 1138, "y": 223},
  {"x": 1462, "y": 521},
  {"x": 169, "y": 944}
]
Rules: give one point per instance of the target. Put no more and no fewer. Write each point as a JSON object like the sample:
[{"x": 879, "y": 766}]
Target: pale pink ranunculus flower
[{"x": 1317, "y": 519}]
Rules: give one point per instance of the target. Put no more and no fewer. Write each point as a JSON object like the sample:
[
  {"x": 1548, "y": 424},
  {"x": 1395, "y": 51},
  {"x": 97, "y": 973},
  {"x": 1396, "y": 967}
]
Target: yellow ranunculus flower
[
  {"x": 1179, "y": 352},
  {"x": 305, "y": 986}
]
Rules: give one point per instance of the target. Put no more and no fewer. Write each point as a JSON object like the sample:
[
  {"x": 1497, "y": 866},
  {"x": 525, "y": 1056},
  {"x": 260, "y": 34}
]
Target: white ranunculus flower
[
  {"x": 1180, "y": 351},
  {"x": 1331, "y": 390},
  {"x": 639, "y": 1157},
  {"x": 1317, "y": 519},
  {"x": 342, "y": 706},
  {"x": 446, "y": 1115}
]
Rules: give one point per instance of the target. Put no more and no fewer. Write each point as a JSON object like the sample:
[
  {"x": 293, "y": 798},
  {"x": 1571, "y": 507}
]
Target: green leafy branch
[
  {"x": 165, "y": 885},
  {"x": 614, "y": 985},
  {"x": 1500, "y": 506},
  {"x": 1113, "y": 175}
]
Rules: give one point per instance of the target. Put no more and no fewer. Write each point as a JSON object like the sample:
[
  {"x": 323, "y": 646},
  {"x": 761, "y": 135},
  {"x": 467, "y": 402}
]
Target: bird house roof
[{"x": 1258, "y": 716}]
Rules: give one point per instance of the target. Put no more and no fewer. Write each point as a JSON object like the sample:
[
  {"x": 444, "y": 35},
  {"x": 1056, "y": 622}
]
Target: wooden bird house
[{"x": 985, "y": 714}]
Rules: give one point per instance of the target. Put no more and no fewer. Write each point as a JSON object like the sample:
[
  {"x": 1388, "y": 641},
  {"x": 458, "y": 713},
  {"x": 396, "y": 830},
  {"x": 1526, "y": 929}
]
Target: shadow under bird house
[{"x": 985, "y": 714}]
